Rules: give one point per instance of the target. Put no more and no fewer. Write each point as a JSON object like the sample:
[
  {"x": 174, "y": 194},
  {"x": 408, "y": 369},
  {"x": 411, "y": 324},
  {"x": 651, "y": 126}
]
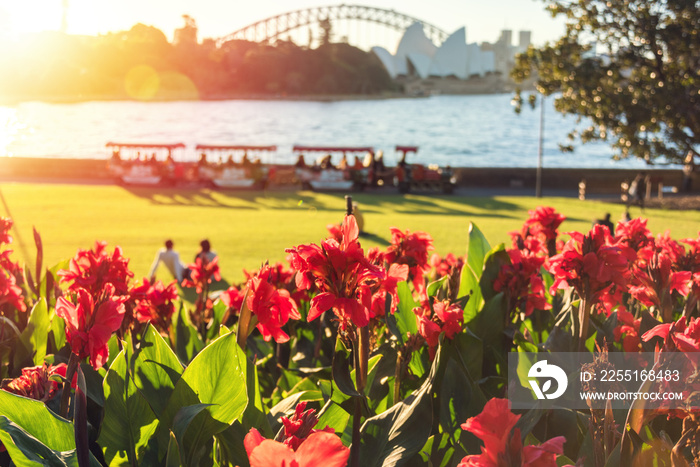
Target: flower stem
[
  {"x": 397, "y": 376},
  {"x": 584, "y": 313},
  {"x": 73, "y": 363},
  {"x": 361, "y": 361}
]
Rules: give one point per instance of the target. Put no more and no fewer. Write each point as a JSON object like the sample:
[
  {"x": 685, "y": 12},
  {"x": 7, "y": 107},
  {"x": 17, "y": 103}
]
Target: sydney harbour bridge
[{"x": 357, "y": 24}]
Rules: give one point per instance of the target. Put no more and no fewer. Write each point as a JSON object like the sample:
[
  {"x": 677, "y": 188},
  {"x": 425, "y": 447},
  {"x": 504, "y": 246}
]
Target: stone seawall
[{"x": 598, "y": 181}]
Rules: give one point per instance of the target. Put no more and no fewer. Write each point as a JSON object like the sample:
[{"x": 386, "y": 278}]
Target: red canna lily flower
[
  {"x": 609, "y": 300},
  {"x": 299, "y": 427},
  {"x": 539, "y": 233},
  {"x": 544, "y": 221},
  {"x": 90, "y": 325},
  {"x": 691, "y": 261},
  {"x": 667, "y": 246},
  {"x": 444, "y": 317},
  {"x": 233, "y": 298},
  {"x": 655, "y": 284},
  {"x": 522, "y": 283},
  {"x": 279, "y": 275},
  {"x": 10, "y": 292},
  {"x": 272, "y": 307},
  {"x": 449, "y": 265},
  {"x": 410, "y": 249},
  {"x": 335, "y": 231},
  {"x": 5, "y": 226},
  {"x": 681, "y": 335},
  {"x": 296, "y": 442},
  {"x": 154, "y": 303},
  {"x": 93, "y": 269},
  {"x": 320, "y": 449},
  {"x": 201, "y": 274},
  {"x": 627, "y": 331},
  {"x": 681, "y": 342},
  {"x": 397, "y": 273},
  {"x": 340, "y": 271},
  {"x": 36, "y": 383},
  {"x": 634, "y": 234},
  {"x": 591, "y": 263},
  {"x": 502, "y": 443},
  {"x": 429, "y": 329}
]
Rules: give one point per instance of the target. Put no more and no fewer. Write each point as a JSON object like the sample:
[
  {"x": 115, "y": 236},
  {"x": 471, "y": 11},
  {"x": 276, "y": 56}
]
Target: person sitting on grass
[
  {"x": 171, "y": 259},
  {"x": 205, "y": 253}
]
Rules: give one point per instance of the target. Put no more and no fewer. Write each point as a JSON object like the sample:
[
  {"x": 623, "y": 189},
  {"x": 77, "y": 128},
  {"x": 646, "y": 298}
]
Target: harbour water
[{"x": 462, "y": 131}]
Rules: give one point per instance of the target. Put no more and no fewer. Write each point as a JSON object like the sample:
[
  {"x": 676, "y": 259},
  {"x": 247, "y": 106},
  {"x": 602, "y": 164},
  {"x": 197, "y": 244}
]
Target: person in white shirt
[{"x": 172, "y": 261}]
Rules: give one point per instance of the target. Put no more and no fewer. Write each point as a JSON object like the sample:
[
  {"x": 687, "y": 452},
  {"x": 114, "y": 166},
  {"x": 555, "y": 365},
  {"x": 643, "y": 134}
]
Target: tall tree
[{"x": 632, "y": 67}]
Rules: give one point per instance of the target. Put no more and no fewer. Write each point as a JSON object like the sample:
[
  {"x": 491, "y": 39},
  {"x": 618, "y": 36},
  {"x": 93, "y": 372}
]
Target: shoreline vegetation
[
  {"x": 142, "y": 65},
  {"x": 14, "y": 100},
  {"x": 414, "y": 89}
]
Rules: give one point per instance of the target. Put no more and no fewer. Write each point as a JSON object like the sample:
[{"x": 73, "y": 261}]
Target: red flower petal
[
  {"x": 322, "y": 449},
  {"x": 320, "y": 303},
  {"x": 270, "y": 453}
]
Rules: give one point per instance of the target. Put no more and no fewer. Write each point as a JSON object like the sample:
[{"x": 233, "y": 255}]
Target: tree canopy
[{"x": 632, "y": 68}]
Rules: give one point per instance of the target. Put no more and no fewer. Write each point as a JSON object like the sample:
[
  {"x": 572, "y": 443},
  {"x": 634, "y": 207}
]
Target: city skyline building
[{"x": 416, "y": 55}]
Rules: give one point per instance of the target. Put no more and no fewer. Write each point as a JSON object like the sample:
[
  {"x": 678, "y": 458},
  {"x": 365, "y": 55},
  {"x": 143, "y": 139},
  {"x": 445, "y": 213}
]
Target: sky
[{"x": 216, "y": 18}]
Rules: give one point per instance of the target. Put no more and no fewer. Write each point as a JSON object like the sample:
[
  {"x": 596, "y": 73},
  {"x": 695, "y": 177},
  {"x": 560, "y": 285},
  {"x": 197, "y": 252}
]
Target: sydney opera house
[{"x": 417, "y": 56}]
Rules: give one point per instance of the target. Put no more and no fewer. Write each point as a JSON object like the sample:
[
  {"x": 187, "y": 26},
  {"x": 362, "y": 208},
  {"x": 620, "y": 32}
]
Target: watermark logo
[{"x": 544, "y": 371}]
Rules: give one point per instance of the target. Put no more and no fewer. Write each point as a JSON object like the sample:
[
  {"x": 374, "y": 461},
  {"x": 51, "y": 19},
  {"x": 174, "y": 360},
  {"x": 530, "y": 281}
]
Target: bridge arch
[{"x": 274, "y": 26}]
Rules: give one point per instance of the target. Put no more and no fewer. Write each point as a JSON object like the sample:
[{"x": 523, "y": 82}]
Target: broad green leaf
[
  {"x": 333, "y": 416},
  {"x": 405, "y": 318},
  {"x": 494, "y": 261},
  {"x": 341, "y": 372},
  {"x": 231, "y": 444},
  {"x": 156, "y": 369},
  {"x": 390, "y": 320},
  {"x": 437, "y": 451},
  {"x": 476, "y": 249},
  {"x": 114, "y": 347},
  {"x": 182, "y": 421},
  {"x": 217, "y": 376},
  {"x": 434, "y": 286},
  {"x": 469, "y": 350},
  {"x": 94, "y": 381},
  {"x": 469, "y": 285},
  {"x": 219, "y": 310},
  {"x": 455, "y": 397},
  {"x": 38, "y": 422},
  {"x": 26, "y": 450},
  {"x": 255, "y": 415},
  {"x": 172, "y": 459},
  {"x": 128, "y": 422},
  {"x": 491, "y": 321},
  {"x": 187, "y": 342},
  {"x": 419, "y": 363},
  {"x": 57, "y": 334},
  {"x": 36, "y": 334},
  {"x": 396, "y": 435}
]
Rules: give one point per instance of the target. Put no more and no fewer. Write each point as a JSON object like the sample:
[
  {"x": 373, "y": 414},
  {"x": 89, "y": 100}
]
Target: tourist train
[{"x": 328, "y": 168}]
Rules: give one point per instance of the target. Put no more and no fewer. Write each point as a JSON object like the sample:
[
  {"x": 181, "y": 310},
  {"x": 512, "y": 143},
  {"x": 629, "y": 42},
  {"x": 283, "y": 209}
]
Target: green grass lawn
[{"x": 247, "y": 228}]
